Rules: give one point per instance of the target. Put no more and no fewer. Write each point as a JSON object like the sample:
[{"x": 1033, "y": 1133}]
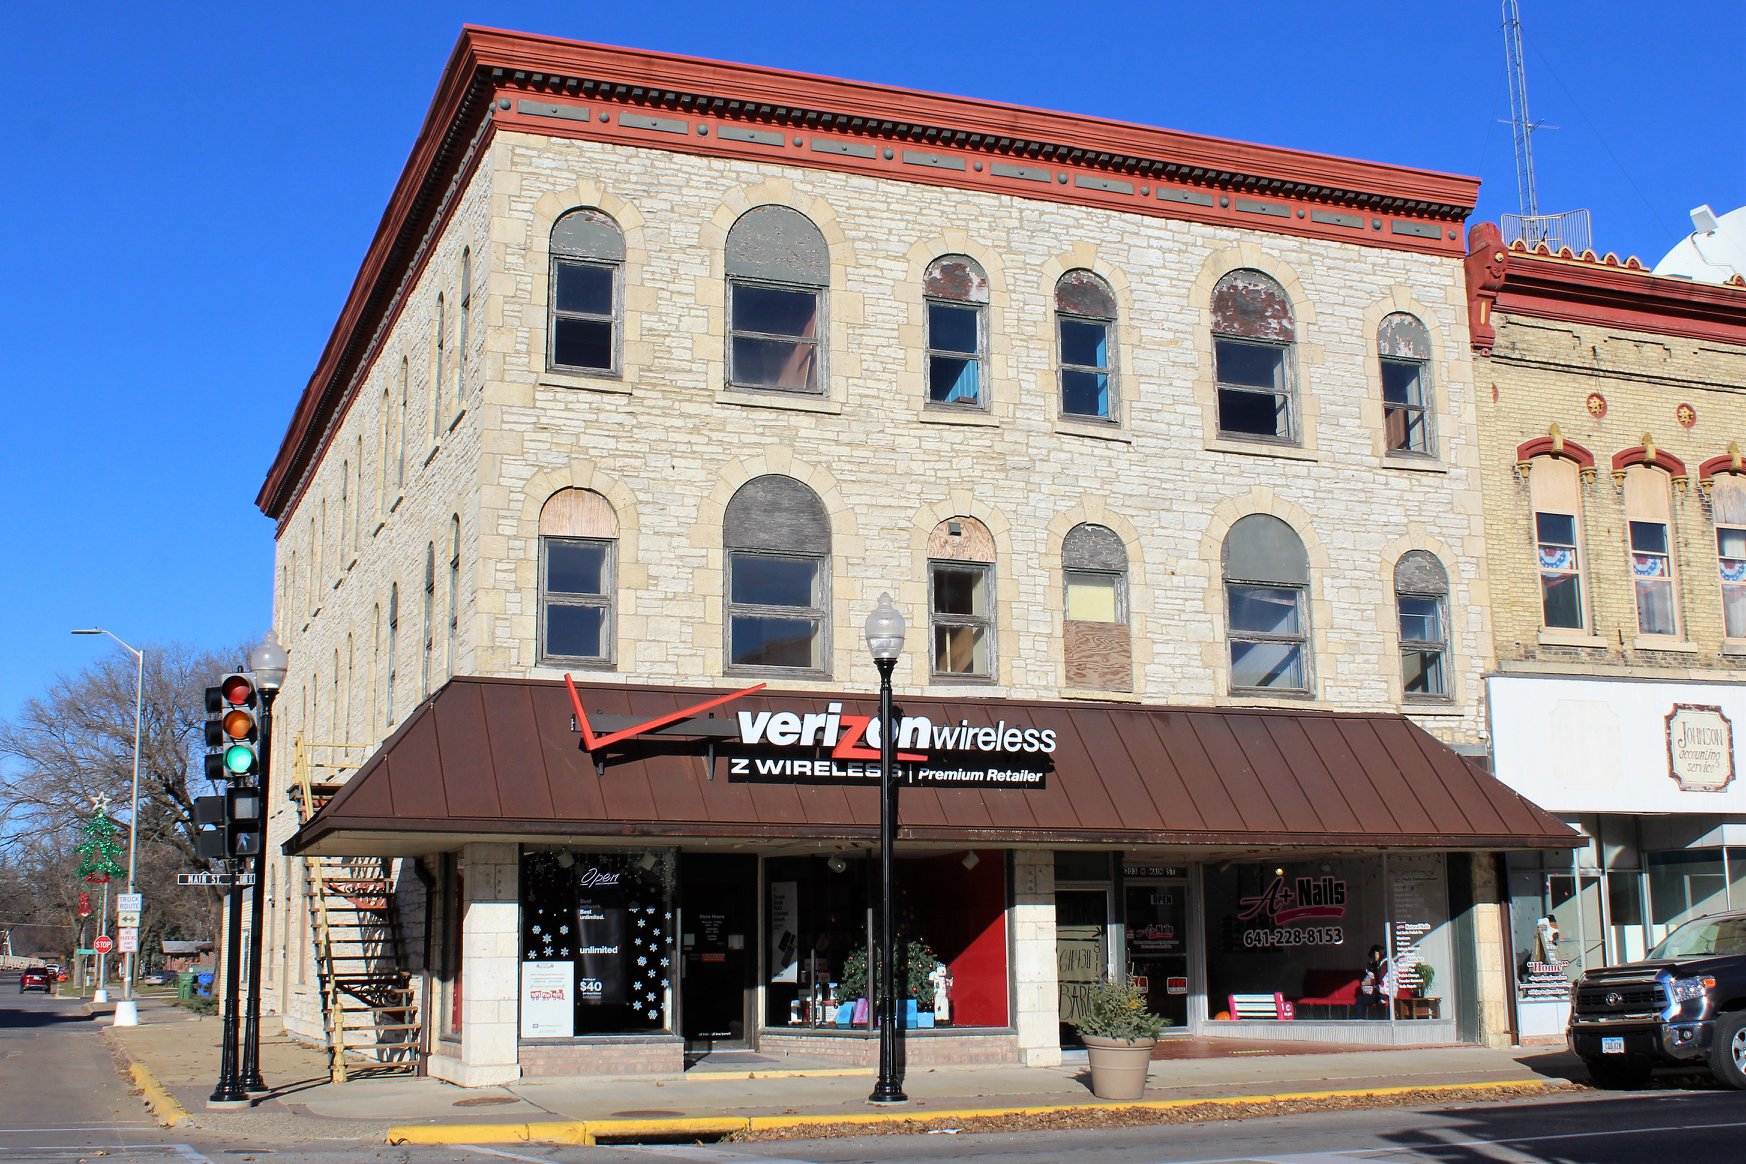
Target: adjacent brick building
[{"x": 660, "y": 371}]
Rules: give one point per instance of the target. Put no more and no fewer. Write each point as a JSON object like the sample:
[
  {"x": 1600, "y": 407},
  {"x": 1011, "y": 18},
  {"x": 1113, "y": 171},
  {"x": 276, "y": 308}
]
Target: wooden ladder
[{"x": 369, "y": 1006}]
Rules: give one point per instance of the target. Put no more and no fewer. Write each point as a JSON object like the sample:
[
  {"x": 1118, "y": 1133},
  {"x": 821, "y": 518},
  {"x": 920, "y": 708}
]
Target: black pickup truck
[{"x": 1682, "y": 1006}]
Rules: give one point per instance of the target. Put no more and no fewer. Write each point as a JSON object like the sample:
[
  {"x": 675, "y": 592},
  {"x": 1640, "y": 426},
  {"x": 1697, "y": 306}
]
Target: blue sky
[{"x": 190, "y": 189}]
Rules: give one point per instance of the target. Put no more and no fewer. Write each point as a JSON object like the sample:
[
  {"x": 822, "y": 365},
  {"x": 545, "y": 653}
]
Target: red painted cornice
[
  {"x": 1551, "y": 446},
  {"x": 1654, "y": 458},
  {"x": 1094, "y": 161},
  {"x": 1587, "y": 289}
]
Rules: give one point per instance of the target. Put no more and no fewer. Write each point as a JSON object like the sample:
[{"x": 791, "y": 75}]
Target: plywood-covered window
[
  {"x": 1403, "y": 347},
  {"x": 1649, "y": 521},
  {"x": 1421, "y": 598},
  {"x": 778, "y": 269},
  {"x": 1555, "y": 492},
  {"x": 578, "y": 572},
  {"x": 1253, "y": 338},
  {"x": 1728, "y": 505},
  {"x": 1094, "y": 568},
  {"x": 777, "y": 542},
  {"x": 587, "y": 293},
  {"x": 955, "y": 293},
  {"x": 961, "y": 600},
  {"x": 1267, "y": 605},
  {"x": 1085, "y": 319}
]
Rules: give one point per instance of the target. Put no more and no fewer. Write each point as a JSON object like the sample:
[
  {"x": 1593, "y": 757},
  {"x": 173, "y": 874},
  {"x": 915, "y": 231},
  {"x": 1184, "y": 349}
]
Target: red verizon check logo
[{"x": 592, "y": 742}]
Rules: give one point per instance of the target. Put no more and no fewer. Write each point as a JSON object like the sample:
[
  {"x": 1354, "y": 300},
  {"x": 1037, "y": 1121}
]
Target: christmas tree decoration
[{"x": 99, "y": 848}]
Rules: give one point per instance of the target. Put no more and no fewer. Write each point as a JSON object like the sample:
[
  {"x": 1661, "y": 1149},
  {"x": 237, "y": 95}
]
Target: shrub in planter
[
  {"x": 1118, "y": 1030},
  {"x": 915, "y": 963}
]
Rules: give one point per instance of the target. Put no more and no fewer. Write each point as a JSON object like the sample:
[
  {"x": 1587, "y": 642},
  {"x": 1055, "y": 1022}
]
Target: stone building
[
  {"x": 1610, "y": 418},
  {"x": 660, "y": 371}
]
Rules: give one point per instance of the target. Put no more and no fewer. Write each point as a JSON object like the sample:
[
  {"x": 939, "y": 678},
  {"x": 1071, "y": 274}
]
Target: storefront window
[
  {"x": 822, "y": 921},
  {"x": 596, "y": 942},
  {"x": 1686, "y": 883},
  {"x": 1295, "y": 939}
]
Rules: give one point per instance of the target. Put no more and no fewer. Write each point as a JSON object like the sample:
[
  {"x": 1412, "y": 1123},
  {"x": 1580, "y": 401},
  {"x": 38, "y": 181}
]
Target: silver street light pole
[{"x": 127, "y": 1010}]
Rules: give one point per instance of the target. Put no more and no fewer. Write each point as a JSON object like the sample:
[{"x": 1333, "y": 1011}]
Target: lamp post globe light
[
  {"x": 126, "y": 1011},
  {"x": 268, "y": 662},
  {"x": 885, "y": 642}
]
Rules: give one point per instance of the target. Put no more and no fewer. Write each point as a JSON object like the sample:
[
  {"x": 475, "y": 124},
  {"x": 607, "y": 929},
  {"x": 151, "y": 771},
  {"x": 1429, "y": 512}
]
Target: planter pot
[{"x": 1118, "y": 1066}]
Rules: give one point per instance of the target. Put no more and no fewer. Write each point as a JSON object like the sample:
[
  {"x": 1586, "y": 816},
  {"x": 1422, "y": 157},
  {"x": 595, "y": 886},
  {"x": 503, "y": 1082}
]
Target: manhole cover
[
  {"x": 646, "y": 1115},
  {"x": 484, "y": 1101}
]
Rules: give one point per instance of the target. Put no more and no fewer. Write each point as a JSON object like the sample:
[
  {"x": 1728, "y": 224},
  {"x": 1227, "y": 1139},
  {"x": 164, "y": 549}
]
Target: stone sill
[
  {"x": 1260, "y": 449},
  {"x": 1096, "y": 430},
  {"x": 1100, "y": 695},
  {"x": 783, "y": 401},
  {"x": 1413, "y": 464},
  {"x": 1566, "y": 638},
  {"x": 605, "y": 382},
  {"x": 1407, "y": 707},
  {"x": 972, "y": 419},
  {"x": 1661, "y": 643}
]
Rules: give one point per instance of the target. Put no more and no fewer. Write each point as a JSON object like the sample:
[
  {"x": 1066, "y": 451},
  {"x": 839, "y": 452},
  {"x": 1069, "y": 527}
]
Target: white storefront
[{"x": 1648, "y": 771}]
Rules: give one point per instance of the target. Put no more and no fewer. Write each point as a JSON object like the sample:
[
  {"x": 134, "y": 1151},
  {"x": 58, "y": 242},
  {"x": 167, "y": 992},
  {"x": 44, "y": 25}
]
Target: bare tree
[{"x": 75, "y": 743}]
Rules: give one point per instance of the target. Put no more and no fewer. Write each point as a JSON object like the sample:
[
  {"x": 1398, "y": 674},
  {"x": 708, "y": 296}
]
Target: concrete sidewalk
[{"x": 179, "y": 1053}]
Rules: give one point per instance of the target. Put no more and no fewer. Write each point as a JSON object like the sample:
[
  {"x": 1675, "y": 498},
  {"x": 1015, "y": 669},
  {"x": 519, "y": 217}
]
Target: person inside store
[{"x": 1373, "y": 986}]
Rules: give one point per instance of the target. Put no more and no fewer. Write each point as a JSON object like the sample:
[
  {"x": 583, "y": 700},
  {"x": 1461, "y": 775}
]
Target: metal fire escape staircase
[{"x": 369, "y": 1006}]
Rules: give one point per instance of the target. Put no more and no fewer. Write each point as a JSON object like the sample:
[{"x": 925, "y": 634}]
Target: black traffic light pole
[
  {"x": 251, "y": 1050},
  {"x": 229, "y": 1091}
]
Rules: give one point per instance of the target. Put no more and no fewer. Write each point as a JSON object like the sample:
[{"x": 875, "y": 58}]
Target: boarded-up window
[
  {"x": 778, "y": 267},
  {"x": 1096, "y": 639},
  {"x": 1253, "y": 333},
  {"x": 587, "y": 290},
  {"x": 777, "y": 538},
  {"x": 956, "y": 298},
  {"x": 1554, "y": 491},
  {"x": 1085, "y": 317},
  {"x": 578, "y": 578},
  {"x": 1267, "y": 605},
  {"x": 1649, "y": 518},
  {"x": 1421, "y": 596}
]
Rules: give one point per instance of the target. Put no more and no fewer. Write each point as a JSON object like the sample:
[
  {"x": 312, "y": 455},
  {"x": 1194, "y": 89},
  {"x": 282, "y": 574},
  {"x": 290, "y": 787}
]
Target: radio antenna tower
[{"x": 1570, "y": 229}]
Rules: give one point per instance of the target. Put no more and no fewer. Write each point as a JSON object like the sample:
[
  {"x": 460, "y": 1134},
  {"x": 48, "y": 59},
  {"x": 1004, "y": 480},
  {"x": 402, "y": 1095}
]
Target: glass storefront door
[
  {"x": 1157, "y": 932},
  {"x": 718, "y": 911},
  {"x": 1081, "y": 951}
]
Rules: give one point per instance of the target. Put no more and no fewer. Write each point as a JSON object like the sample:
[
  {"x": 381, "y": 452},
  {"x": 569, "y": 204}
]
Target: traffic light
[
  {"x": 233, "y": 728},
  {"x": 231, "y": 825}
]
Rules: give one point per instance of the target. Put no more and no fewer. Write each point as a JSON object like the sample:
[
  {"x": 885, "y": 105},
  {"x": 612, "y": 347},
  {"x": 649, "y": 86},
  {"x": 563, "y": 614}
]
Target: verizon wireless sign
[{"x": 832, "y": 746}]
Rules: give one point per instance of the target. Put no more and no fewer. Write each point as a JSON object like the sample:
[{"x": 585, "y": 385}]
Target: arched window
[
  {"x": 429, "y": 618},
  {"x": 1649, "y": 515},
  {"x": 400, "y": 429},
  {"x": 1728, "y": 505},
  {"x": 961, "y": 600},
  {"x": 777, "y": 268},
  {"x": 383, "y": 478},
  {"x": 346, "y": 693},
  {"x": 587, "y": 292},
  {"x": 1085, "y": 314},
  {"x": 454, "y": 588},
  {"x": 439, "y": 367},
  {"x": 1555, "y": 492},
  {"x": 956, "y": 293},
  {"x": 578, "y": 572},
  {"x": 343, "y": 535},
  {"x": 1404, "y": 348},
  {"x": 466, "y": 322},
  {"x": 1253, "y": 335},
  {"x": 1094, "y": 567},
  {"x": 1421, "y": 599},
  {"x": 777, "y": 540},
  {"x": 375, "y": 661},
  {"x": 393, "y": 643},
  {"x": 1267, "y": 605}
]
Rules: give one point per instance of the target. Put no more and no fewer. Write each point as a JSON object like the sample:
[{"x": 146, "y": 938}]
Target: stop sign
[{"x": 103, "y": 944}]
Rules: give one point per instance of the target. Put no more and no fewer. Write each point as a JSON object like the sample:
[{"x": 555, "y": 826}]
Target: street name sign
[{"x": 212, "y": 879}]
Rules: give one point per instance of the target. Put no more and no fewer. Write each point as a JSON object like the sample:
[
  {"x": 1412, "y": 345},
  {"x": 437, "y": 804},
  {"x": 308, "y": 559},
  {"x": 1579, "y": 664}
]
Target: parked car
[
  {"x": 157, "y": 978},
  {"x": 36, "y": 978},
  {"x": 1682, "y": 1006}
]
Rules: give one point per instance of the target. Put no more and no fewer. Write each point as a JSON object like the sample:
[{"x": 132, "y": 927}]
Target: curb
[
  {"x": 588, "y": 1132},
  {"x": 162, "y": 1104}
]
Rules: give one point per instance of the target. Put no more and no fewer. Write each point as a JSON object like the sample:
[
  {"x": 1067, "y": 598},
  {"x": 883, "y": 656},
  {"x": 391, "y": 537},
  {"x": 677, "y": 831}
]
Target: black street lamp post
[
  {"x": 229, "y": 1091},
  {"x": 885, "y": 641},
  {"x": 268, "y": 662}
]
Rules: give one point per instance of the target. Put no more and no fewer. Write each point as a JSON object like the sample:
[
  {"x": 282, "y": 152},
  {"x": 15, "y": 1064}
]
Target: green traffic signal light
[{"x": 239, "y": 759}]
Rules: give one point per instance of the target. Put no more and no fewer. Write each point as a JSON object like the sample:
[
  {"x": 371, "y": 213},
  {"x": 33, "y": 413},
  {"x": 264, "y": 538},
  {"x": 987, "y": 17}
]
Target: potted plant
[
  {"x": 915, "y": 965},
  {"x": 1426, "y": 974},
  {"x": 1119, "y": 1031}
]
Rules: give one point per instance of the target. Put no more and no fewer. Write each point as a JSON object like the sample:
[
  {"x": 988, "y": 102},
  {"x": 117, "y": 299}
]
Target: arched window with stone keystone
[
  {"x": 1403, "y": 348},
  {"x": 955, "y": 295},
  {"x": 586, "y": 314},
  {"x": 961, "y": 601},
  {"x": 1254, "y": 338},
  {"x": 778, "y": 268},
  {"x": 1085, "y": 325},
  {"x": 776, "y": 541},
  {"x": 1096, "y": 639},
  {"x": 1421, "y": 599},
  {"x": 578, "y": 578},
  {"x": 1266, "y": 575}
]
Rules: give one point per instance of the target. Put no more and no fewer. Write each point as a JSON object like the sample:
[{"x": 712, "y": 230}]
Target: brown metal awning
[{"x": 501, "y": 759}]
